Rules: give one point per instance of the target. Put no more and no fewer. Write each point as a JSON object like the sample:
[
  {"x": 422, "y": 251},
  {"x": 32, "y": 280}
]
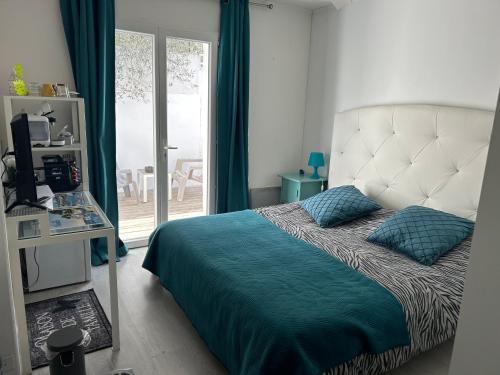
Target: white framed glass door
[
  {"x": 135, "y": 103},
  {"x": 187, "y": 113},
  {"x": 165, "y": 138}
]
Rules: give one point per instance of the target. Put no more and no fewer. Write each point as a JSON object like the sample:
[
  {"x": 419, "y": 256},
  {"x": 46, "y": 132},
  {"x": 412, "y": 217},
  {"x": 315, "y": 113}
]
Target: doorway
[{"x": 164, "y": 112}]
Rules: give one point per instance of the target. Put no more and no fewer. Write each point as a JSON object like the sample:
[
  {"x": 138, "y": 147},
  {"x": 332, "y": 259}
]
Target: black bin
[{"x": 68, "y": 356}]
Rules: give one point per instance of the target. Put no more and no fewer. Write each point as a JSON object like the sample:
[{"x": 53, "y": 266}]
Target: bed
[{"x": 271, "y": 292}]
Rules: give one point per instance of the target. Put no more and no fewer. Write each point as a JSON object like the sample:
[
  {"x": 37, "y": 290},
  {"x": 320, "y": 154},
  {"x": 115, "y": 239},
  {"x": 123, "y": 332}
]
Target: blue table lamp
[{"x": 316, "y": 160}]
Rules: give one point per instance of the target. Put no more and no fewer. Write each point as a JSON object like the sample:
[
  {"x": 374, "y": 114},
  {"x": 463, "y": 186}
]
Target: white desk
[{"x": 47, "y": 234}]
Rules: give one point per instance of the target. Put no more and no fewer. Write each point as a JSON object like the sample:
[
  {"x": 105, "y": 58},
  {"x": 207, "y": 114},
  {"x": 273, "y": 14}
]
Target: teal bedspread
[{"x": 266, "y": 302}]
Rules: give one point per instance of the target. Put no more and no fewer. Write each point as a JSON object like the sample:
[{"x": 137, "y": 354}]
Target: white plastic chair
[
  {"x": 183, "y": 176},
  {"x": 124, "y": 180}
]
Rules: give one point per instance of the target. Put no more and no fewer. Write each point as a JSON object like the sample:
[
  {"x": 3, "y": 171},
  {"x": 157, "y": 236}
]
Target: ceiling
[{"x": 310, "y": 4}]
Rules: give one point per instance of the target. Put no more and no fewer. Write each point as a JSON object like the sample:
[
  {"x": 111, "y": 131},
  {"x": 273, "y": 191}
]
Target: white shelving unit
[
  {"x": 71, "y": 112},
  {"x": 57, "y": 149}
]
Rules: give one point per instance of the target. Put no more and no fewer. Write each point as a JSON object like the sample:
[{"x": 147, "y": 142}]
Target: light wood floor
[
  {"x": 137, "y": 219},
  {"x": 156, "y": 336},
  {"x": 158, "y": 339}
]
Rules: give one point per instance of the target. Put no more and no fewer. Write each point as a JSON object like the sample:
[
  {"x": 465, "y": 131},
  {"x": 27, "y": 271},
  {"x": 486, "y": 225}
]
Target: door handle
[{"x": 167, "y": 147}]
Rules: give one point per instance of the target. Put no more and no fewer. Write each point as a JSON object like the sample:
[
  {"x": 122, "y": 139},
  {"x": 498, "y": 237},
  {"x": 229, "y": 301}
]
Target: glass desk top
[{"x": 67, "y": 213}]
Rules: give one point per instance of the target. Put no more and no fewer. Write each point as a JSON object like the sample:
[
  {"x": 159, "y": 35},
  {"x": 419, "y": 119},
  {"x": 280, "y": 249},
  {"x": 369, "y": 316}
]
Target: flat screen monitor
[{"x": 25, "y": 175}]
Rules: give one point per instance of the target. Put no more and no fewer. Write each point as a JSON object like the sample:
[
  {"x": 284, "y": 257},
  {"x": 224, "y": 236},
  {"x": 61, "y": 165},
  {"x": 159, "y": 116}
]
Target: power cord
[
  {"x": 4, "y": 164},
  {"x": 5, "y": 185},
  {"x": 37, "y": 271},
  {"x": 6, "y": 152}
]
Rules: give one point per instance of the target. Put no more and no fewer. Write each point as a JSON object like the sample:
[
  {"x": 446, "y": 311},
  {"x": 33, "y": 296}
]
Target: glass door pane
[
  {"x": 135, "y": 136},
  {"x": 188, "y": 80}
]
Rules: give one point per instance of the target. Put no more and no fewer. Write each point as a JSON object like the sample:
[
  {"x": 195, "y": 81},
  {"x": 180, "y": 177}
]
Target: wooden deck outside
[{"x": 137, "y": 219}]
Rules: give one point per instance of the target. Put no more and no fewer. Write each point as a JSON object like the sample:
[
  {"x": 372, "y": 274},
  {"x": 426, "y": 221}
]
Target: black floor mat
[{"x": 79, "y": 309}]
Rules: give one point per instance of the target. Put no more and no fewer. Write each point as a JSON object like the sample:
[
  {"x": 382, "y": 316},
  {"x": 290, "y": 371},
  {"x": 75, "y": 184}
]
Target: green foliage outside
[{"x": 134, "y": 64}]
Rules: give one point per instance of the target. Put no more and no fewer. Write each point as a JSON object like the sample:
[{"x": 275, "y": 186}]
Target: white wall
[
  {"x": 400, "y": 51},
  {"x": 279, "y": 61},
  {"x": 478, "y": 336},
  {"x": 320, "y": 86},
  {"x": 32, "y": 34}
]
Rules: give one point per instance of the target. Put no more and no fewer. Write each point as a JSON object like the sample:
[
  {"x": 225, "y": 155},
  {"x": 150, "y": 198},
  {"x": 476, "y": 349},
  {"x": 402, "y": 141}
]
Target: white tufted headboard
[{"x": 413, "y": 154}]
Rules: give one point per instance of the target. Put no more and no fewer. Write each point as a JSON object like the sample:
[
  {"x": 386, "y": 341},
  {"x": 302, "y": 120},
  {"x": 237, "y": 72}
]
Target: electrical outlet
[{"x": 7, "y": 364}]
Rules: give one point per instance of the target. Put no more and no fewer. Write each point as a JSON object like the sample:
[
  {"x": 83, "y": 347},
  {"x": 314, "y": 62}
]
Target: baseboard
[{"x": 268, "y": 196}]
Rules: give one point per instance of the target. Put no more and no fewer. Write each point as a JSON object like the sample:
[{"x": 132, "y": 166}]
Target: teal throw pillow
[
  {"x": 422, "y": 233},
  {"x": 339, "y": 205}
]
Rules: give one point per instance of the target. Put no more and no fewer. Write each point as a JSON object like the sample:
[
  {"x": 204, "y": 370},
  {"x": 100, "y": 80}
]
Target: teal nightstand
[{"x": 295, "y": 187}]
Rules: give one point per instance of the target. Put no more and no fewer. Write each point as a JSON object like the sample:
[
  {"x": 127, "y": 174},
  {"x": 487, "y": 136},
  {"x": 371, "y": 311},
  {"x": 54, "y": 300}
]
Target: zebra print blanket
[{"x": 430, "y": 296}]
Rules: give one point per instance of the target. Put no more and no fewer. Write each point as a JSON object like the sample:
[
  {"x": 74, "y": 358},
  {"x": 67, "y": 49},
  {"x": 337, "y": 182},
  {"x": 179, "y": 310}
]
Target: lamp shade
[{"x": 316, "y": 159}]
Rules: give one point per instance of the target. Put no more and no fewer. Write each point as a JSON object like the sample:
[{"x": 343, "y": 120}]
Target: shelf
[
  {"x": 44, "y": 98},
  {"x": 73, "y": 147},
  {"x": 72, "y": 113}
]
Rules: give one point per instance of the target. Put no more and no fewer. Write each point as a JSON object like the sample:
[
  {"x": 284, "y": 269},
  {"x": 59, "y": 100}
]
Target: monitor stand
[{"x": 37, "y": 204}]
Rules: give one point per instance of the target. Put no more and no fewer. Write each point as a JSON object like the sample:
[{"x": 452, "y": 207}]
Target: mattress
[{"x": 430, "y": 296}]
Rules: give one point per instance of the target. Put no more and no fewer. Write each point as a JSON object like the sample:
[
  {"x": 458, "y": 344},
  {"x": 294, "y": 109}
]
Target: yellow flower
[
  {"x": 20, "y": 87},
  {"x": 18, "y": 70}
]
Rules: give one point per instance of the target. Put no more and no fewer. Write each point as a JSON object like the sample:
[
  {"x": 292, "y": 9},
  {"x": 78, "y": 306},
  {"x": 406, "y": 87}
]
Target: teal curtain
[
  {"x": 232, "y": 106},
  {"x": 89, "y": 26}
]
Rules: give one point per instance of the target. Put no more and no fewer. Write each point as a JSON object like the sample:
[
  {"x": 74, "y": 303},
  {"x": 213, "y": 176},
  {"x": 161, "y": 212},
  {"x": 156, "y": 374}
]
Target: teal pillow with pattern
[
  {"x": 339, "y": 205},
  {"x": 422, "y": 233}
]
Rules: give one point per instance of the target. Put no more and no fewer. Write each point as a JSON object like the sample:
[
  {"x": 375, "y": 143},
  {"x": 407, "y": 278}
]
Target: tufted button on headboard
[{"x": 400, "y": 155}]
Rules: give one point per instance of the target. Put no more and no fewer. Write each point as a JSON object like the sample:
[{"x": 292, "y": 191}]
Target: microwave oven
[{"x": 39, "y": 131}]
